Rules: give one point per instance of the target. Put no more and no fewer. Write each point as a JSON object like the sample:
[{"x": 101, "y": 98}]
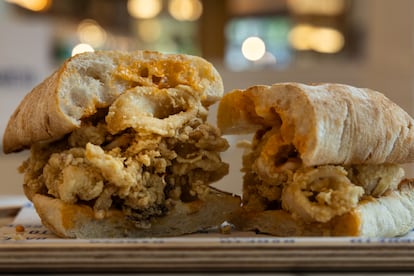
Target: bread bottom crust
[
  {"x": 281, "y": 223},
  {"x": 387, "y": 216},
  {"x": 78, "y": 221}
]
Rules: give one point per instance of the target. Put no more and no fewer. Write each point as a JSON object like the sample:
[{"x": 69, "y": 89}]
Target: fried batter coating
[
  {"x": 376, "y": 180},
  {"x": 320, "y": 194},
  {"x": 152, "y": 146}
]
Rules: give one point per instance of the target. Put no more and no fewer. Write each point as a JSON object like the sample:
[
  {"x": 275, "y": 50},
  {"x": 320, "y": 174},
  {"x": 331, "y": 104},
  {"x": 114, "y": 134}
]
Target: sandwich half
[
  {"x": 325, "y": 160},
  {"x": 120, "y": 146}
]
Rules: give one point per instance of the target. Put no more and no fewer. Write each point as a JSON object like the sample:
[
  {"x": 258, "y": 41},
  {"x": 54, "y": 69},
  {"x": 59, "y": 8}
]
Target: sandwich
[
  {"x": 324, "y": 160},
  {"x": 120, "y": 146}
]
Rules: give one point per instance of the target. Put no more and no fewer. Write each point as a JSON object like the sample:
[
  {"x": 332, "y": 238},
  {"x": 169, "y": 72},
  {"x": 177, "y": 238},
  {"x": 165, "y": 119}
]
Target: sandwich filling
[
  {"x": 276, "y": 179},
  {"x": 149, "y": 149}
]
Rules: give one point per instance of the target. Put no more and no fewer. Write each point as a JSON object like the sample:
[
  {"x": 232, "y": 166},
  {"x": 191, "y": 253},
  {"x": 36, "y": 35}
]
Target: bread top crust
[
  {"x": 89, "y": 81},
  {"x": 327, "y": 123}
]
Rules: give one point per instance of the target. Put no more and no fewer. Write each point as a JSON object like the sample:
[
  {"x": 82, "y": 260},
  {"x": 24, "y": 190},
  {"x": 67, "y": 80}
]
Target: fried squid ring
[
  {"x": 319, "y": 194},
  {"x": 153, "y": 110},
  {"x": 276, "y": 157},
  {"x": 376, "y": 179}
]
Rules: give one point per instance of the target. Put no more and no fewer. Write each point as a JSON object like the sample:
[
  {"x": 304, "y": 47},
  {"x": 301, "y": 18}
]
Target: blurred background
[{"x": 366, "y": 43}]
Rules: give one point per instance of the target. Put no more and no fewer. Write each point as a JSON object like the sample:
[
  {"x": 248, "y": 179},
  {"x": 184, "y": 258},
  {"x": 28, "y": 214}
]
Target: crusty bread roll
[
  {"x": 87, "y": 82},
  {"x": 324, "y": 160},
  {"x": 356, "y": 125},
  {"x": 120, "y": 146}
]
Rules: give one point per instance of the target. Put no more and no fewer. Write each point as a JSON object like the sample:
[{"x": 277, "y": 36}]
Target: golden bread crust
[
  {"x": 281, "y": 223},
  {"x": 327, "y": 123},
  {"x": 89, "y": 81},
  {"x": 78, "y": 221}
]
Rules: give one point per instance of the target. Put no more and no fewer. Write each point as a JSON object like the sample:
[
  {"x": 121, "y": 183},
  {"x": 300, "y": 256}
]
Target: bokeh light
[
  {"x": 320, "y": 7},
  {"x": 149, "y": 30},
  {"x": 144, "y": 8},
  {"x": 185, "y": 10},
  {"x": 33, "y": 5},
  {"x": 253, "y": 48},
  {"x": 304, "y": 37},
  {"x": 327, "y": 40},
  {"x": 299, "y": 36},
  {"x": 81, "y": 48},
  {"x": 90, "y": 32}
]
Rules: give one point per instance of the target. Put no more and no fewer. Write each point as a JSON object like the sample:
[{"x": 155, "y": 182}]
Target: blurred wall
[{"x": 25, "y": 48}]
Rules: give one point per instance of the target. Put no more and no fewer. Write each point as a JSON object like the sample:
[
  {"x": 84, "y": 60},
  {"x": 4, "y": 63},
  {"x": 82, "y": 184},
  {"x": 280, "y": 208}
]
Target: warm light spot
[
  {"x": 321, "y": 7},
  {"x": 149, "y": 30},
  {"x": 327, "y": 40},
  {"x": 144, "y": 8},
  {"x": 299, "y": 36},
  {"x": 185, "y": 10},
  {"x": 33, "y": 5},
  {"x": 90, "y": 32},
  {"x": 320, "y": 39},
  {"x": 253, "y": 48},
  {"x": 81, "y": 48}
]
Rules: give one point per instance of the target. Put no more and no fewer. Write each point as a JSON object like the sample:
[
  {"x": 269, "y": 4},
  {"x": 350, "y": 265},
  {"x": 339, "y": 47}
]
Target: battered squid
[
  {"x": 378, "y": 179},
  {"x": 319, "y": 194},
  {"x": 154, "y": 110},
  {"x": 276, "y": 157},
  {"x": 277, "y": 178}
]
